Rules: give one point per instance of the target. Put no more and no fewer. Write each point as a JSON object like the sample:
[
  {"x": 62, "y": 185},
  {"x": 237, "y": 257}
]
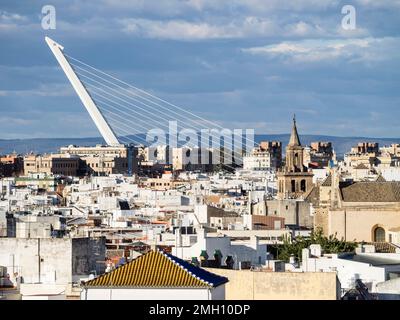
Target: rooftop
[
  {"x": 158, "y": 269},
  {"x": 371, "y": 191}
]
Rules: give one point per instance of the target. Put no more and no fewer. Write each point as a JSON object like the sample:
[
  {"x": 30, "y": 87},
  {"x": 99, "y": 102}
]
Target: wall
[
  {"x": 33, "y": 229},
  {"x": 3, "y": 224},
  {"x": 26, "y": 255},
  {"x": 321, "y": 219},
  {"x": 42, "y": 291},
  {"x": 389, "y": 290},
  {"x": 259, "y": 222},
  {"x": 295, "y": 212},
  {"x": 347, "y": 270},
  {"x": 358, "y": 223},
  {"x": 146, "y": 294},
  {"x": 248, "y": 250},
  {"x": 252, "y": 285},
  {"x": 85, "y": 254},
  {"x": 59, "y": 259}
]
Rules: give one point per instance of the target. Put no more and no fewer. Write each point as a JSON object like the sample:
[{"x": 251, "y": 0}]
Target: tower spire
[{"x": 294, "y": 136}]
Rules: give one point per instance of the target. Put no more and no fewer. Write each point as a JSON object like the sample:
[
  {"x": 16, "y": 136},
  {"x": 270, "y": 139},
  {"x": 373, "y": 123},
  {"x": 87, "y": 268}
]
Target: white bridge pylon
[{"x": 94, "y": 112}]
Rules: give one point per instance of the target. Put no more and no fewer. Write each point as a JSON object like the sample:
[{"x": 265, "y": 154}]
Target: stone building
[
  {"x": 11, "y": 165},
  {"x": 366, "y": 147},
  {"x": 393, "y": 149},
  {"x": 52, "y": 164},
  {"x": 295, "y": 212},
  {"x": 294, "y": 180},
  {"x": 364, "y": 153},
  {"x": 319, "y": 154},
  {"x": 192, "y": 158},
  {"x": 361, "y": 211},
  {"x": 105, "y": 160},
  {"x": 268, "y": 155}
]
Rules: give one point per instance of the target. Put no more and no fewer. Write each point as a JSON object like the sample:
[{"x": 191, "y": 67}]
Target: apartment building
[{"x": 52, "y": 164}]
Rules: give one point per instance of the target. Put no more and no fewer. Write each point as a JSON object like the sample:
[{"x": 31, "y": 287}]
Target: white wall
[
  {"x": 347, "y": 270},
  {"x": 22, "y": 256},
  {"x": 391, "y": 173},
  {"x": 240, "y": 250},
  {"x": 153, "y": 294}
]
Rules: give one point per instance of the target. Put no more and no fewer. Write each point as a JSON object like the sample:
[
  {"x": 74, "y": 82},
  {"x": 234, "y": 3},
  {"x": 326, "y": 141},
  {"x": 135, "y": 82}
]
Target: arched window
[
  {"x": 379, "y": 234},
  {"x": 293, "y": 182},
  {"x": 303, "y": 185}
]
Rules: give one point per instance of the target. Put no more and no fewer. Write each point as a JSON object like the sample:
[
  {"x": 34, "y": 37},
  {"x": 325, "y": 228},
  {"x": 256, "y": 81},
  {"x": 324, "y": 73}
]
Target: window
[
  {"x": 303, "y": 185},
  {"x": 379, "y": 234},
  {"x": 293, "y": 182}
]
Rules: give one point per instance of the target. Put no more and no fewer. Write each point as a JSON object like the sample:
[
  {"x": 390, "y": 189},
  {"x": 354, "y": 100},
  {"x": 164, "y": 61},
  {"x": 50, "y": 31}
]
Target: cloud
[
  {"x": 292, "y": 63},
  {"x": 246, "y": 27},
  {"x": 353, "y": 50},
  {"x": 11, "y": 21},
  {"x": 185, "y": 30},
  {"x": 48, "y": 90},
  {"x": 179, "y": 7},
  {"x": 6, "y": 17},
  {"x": 17, "y": 121}
]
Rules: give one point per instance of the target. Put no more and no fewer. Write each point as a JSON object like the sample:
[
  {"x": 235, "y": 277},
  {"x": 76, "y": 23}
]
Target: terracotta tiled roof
[
  {"x": 157, "y": 269},
  {"x": 371, "y": 192}
]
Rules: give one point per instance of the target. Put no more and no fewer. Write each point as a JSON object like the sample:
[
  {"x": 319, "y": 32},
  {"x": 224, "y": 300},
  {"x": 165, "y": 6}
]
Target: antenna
[{"x": 97, "y": 117}]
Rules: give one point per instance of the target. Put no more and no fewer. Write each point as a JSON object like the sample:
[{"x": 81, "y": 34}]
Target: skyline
[{"x": 264, "y": 62}]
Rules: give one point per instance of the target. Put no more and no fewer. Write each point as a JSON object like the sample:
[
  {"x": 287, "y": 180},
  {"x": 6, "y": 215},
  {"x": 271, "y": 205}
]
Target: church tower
[{"x": 294, "y": 180}]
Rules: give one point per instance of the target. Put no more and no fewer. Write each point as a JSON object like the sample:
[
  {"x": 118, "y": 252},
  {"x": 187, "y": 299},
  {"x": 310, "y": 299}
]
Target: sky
[{"x": 241, "y": 64}]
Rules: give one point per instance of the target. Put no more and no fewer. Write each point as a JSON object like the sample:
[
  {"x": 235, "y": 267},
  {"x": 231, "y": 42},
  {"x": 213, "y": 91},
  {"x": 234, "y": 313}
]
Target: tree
[{"x": 295, "y": 246}]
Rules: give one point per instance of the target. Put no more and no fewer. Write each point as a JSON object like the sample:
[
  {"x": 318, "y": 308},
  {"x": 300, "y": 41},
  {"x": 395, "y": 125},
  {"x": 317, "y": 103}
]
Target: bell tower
[
  {"x": 294, "y": 152},
  {"x": 294, "y": 180}
]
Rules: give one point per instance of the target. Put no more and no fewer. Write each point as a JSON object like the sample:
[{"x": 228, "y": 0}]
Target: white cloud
[
  {"x": 179, "y": 7},
  {"x": 184, "y": 30},
  {"x": 6, "y": 17},
  {"x": 249, "y": 26},
  {"x": 364, "y": 49},
  {"x": 11, "y": 21},
  {"x": 17, "y": 121},
  {"x": 50, "y": 90}
]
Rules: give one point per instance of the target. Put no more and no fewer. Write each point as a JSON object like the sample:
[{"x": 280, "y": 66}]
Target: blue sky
[{"x": 242, "y": 64}]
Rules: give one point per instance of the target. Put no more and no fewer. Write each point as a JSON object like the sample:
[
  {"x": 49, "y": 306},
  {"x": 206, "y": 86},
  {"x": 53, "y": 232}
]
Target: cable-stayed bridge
[{"x": 121, "y": 111}]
